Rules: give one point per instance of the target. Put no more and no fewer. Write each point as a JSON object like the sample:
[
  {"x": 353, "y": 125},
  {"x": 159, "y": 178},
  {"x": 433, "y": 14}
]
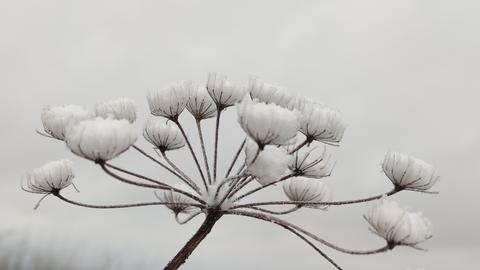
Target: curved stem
[
  {"x": 291, "y": 210},
  {"x": 235, "y": 158},
  {"x": 285, "y": 226},
  {"x": 305, "y": 142},
  {"x": 390, "y": 193},
  {"x": 187, "y": 180},
  {"x": 262, "y": 187},
  {"x": 204, "y": 151},
  {"x": 192, "y": 244},
  {"x": 186, "y": 220},
  {"x": 215, "y": 151},
  {"x": 283, "y": 223},
  {"x": 156, "y": 161},
  {"x": 135, "y": 174},
  {"x": 124, "y": 180},
  {"x": 192, "y": 152},
  {"x": 40, "y": 201},
  {"x": 120, "y": 205}
]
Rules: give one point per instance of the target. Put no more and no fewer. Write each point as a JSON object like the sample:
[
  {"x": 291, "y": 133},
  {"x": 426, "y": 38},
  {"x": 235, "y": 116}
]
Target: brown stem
[{"x": 212, "y": 217}]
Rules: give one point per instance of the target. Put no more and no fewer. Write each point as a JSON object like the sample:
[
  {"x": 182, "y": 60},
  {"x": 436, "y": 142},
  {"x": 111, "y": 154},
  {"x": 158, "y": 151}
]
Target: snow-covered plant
[{"x": 285, "y": 147}]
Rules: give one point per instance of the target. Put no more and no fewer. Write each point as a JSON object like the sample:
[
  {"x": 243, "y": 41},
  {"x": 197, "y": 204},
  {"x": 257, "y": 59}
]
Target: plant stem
[
  {"x": 215, "y": 152},
  {"x": 236, "y": 157},
  {"x": 212, "y": 217},
  {"x": 204, "y": 151}
]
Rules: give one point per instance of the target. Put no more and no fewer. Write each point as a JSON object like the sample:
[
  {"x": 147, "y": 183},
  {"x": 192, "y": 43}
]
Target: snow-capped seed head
[
  {"x": 307, "y": 190},
  {"x": 200, "y": 104},
  {"x": 311, "y": 162},
  {"x": 52, "y": 177},
  {"x": 267, "y": 165},
  {"x": 224, "y": 92},
  {"x": 322, "y": 124},
  {"x": 122, "y": 108},
  {"x": 177, "y": 202},
  {"x": 397, "y": 225},
  {"x": 267, "y": 123},
  {"x": 407, "y": 172},
  {"x": 56, "y": 120},
  {"x": 269, "y": 93},
  {"x": 164, "y": 135},
  {"x": 170, "y": 101},
  {"x": 100, "y": 139}
]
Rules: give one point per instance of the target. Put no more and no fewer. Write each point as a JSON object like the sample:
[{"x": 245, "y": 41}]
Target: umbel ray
[{"x": 285, "y": 147}]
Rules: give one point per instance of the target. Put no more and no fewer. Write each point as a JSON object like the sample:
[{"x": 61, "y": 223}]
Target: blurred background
[{"x": 404, "y": 74}]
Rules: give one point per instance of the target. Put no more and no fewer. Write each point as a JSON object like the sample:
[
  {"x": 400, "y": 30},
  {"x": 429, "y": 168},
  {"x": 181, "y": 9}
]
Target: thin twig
[
  {"x": 305, "y": 142},
  {"x": 192, "y": 152},
  {"x": 204, "y": 151},
  {"x": 235, "y": 158},
  {"x": 215, "y": 151},
  {"x": 187, "y": 180},
  {"x": 135, "y": 174},
  {"x": 265, "y": 186},
  {"x": 390, "y": 193},
  {"x": 291, "y": 210}
]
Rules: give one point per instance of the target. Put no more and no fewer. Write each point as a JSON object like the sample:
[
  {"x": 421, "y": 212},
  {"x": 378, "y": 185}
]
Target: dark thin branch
[
  {"x": 187, "y": 180},
  {"x": 262, "y": 187},
  {"x": 204, "y": 151},
  {"x": 267, "y": 211},
  {"x": 192, "y": 152},
  {"x": 390, "y": 193},
  {"x": 136, "y": 175},
  {"x": 235, "y": 158},
  {"x": 122, "y": 205},
  {"x": 215, "y": 151},
  {"x": 305, "y": 142}
]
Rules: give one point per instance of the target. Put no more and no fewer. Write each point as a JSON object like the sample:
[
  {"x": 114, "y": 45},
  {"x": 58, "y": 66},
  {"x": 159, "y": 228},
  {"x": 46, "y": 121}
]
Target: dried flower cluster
[{"x": 286, "y": 145}]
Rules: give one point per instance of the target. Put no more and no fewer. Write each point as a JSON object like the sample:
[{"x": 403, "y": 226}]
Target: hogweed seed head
[
  {"x": 122, "y": 108},
  {"x": 56, "y": 120},
  {"x": 224, "y": 92},
  {"x": 171, "y": 100},
  {"x": 200, "y": 104},
  {"x": 164, "y": 135},
  {"x": 100, "y": 139},
  {"x": 307, "y": 190},
  {"x": 51, "y": 177}
]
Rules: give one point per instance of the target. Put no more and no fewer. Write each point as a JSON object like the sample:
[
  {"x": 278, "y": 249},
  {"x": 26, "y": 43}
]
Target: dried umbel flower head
[
  {"x": 51, "y": 177},
  {"x": 267, "y": 165},
  {"x": 122, "y": 108},
  {"x": 267, "y": 123},
  {"x": 311, "y": 162},
  {"x": 269, "y": 93},
  {"x": 100, "y": 139},
  {"x": 407, "y": 172},
  {"x": 56, "y": 120},
  {"x": 307, "y": 190},
  {"x": 177, "y": 202},
  {"x": 224, "y": 92},
  {"x": 164, "y": 135},
  {"x": 322, "y": 124},
  {"x": 200, "y": 104},
  {"x": 171, "y": 100},
  {"x": 397, "y": 225}
]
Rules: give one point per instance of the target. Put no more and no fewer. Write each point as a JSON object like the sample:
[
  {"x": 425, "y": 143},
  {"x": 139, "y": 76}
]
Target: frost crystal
[
  {"x": 307, "y": 190},
  {"x": 407, "y": 172},
  {"x": 100, "y": 139},
  {"x": 312, "y": 163},
  {"x": 396, "y": 225},
  {"x": 321, "y": 123},
  {"x": 268, "y": 165},
  {"x": 267, "y": 123},
  {"x": 56, "y": 120},
  {"x": 200, "y": 104},
  {"x": 224, "y": 92},
  {"x": 122, "y": 108},
  {"x": 55, "y": 175},
  {"x": 269, "y": 93},
  {"x": 170, "y": 101},
  {"x": 164, "y": 135}
]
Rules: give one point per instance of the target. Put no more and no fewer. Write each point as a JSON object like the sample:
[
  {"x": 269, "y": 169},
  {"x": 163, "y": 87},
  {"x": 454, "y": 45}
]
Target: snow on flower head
[
  {"x": 267, "y": 165},
  {"x": 177, "y": 202},
  {"x": 164, "y": 135},
  {"x": 52, "y": 177},
  {"x": 267, "y": 123},
  {"x": 122, "y": 108},
  {"x": 407, "y": 172},
  {"x": 269, "y": 93},
  {"x": 307, "y": 190},
  {"x": 200, "y": 104},
  {"x": 100, "y": 139},
  {"x": 56, "y": 120},
  {"x": 321, "y": 123},
  {"x": 311, "y": 162},
  {"x": 224, "y": 92},
  {"x": 171, "y": 100},
  {"x": 397, "y": 225}
]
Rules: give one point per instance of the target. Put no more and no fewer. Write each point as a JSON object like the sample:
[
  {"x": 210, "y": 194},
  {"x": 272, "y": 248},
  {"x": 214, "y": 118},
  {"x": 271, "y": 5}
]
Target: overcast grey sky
[{"x": 404, "y": 73}]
